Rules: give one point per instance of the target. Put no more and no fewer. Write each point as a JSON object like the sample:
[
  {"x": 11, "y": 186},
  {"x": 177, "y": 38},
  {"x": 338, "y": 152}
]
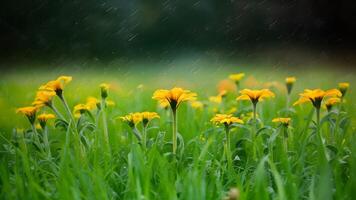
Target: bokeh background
[{"x": 291, "y": 32}]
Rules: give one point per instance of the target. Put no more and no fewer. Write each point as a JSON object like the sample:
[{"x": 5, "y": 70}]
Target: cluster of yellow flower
[
  {"x": 173, "y": 98},
  {"x": 43, "y": 98}
]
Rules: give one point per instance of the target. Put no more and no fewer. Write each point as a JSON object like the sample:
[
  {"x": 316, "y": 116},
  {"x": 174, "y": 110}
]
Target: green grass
[{"x": 86, "y": 167}]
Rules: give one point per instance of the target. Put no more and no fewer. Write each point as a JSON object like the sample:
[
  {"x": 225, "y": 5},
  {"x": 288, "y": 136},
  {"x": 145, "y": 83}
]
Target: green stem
[
  {"x": 37, "y": 140},
  {"x": 55, "y": 110},
  {"x": 323, "y": 148},
  {"x": 144, "y": 137},
  {"x": 68, "y": 111},
  {"x": 174, "y": 139},
  {"x": 288, "y": 100},
  {"x": 105, "y": 123},
  {"x": 227, "y": 146},
  {"x": 46, "y": 141}
]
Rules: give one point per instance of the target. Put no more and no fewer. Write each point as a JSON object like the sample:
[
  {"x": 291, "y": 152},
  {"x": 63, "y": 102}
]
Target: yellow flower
[
  {"x": 104, "y": 87},
  {"x": 148, "y": 116},
  {"x": 29, "y": 112},
  {"x": 290, "y": 80},
  {"x": 225, "y": 119},
  {"x": 330, "y": 102},
  {"x": 110, "y": 103},
  {"x": 236, "y": 77},
  {"x": 174, "y": 96},
  {"x": 92, "y": 103},
  {"x": 132, "y": 119},
  {"x": 289, "y": 83},
  {"x": 44, "y": 98},
  {"x": 163, "y": 104},
  {"x": 57, "y": 85},
  {"x": 255, "y": 95},
  {"x": 343, "y": 88},
  {"x": 316, "y": 96},
  {"x": 43, "y": 118},
  {"x": 196, "y": 104},
  {"x": 282, "y": 120},
  {"x": 80, "y": 109},
  {"x": 215, "y": 99}
]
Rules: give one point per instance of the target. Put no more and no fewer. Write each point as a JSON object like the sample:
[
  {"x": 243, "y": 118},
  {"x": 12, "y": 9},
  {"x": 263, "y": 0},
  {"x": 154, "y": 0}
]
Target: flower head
[
  {"x": 343, "y": 88},
  {"x": 29, "y": 112},
  {"x": 196, "y": 104},
  {"x": 282, "y": 120},
  {"x": 44, "y": 98},
  {"x": 132, "y": 119},
  {"x": 289, "y": 83},
  {"x": 80, "y": 109},
  {"x": 226, "y": 86},
  {"x": 255, "y": 95},
  {"x": 330, "y": 102},
  {"x": 215, "y": 99},
  {"x": 92, "y": 103},
  {"x": 104, "y": 87},
  {"x": 316, "y": 96},
  {"x": 174, "y": 96},
  {"x": 236, "y": 77},
  {"x": 225, "y": 119},
  {"x": 43, "y": 118},
  {"x": 148, "y": 116},
  {"x": 57, "y": 85}
]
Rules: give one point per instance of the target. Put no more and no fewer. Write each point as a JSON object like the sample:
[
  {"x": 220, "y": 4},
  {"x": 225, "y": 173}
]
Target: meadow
[{"x": 97, "y": 150}]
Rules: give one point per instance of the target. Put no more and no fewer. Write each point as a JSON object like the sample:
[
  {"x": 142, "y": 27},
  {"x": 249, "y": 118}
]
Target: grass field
[{"x": 97, "y": 156}]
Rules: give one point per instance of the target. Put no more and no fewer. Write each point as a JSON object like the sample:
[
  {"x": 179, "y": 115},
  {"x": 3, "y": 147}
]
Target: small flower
[
  {"x": 104, "y": 87},
  {"x": 147, "y": 117},
  {"x": 316, "y": 96},
  {"x": 92, "y": 103},
  {"x": 43, "y": 118},
  {"x": 343, "y": 88},
  {"x": 225, "y": 119},
  {"x": 57, "y": 85},
  {"x": 255, "y": 95},
  {"x": 215, "y": 99},
  {"x": 236, "y": 77},
  {"x": 174, "y": 96},
  {"x": 197, "y": 105},
  {"x": 227, "y": 86},
  {"x": 29, "y": 112},
  {"x": 80, "y": 109},
  {"x": 110, "y": 103},
  {"x": 289, "y": 83},
  {"x": 132, "y": 119},
  {"x": 330, "y": 102},
  {"x": 282, "y": 120}
]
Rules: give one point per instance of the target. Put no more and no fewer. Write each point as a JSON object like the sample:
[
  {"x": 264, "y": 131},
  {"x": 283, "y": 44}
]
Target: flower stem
[
  {"x": 227, "y": 146},
  {"x": 55, "y": 110},
  {"x": 144, "y": 137},
  {"x": 68, "y": 111},
  {"x": 46, "y": 141},
  {"x": 105, "y": 123},
  {"x": 37, "y": 140},
  {"x": 174, "y": 139}
]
